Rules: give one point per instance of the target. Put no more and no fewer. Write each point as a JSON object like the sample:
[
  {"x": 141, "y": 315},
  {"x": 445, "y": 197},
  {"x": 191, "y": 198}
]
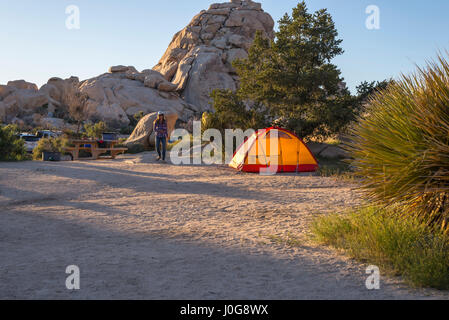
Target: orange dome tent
[{"x": 274, "y": 150}]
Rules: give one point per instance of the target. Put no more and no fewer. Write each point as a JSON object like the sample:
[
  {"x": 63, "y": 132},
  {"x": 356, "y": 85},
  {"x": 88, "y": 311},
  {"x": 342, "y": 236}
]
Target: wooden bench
[
  {"x": 74, "y": 151},
  {"x": 71, "y": 149},
  {"x": 93, "y": 149}
]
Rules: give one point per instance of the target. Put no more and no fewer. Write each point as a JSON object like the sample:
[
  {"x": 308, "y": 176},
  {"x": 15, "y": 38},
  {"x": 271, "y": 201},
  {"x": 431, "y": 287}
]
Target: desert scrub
[
  {"x": 334, "y": 168},
  {"x": 50, "y": 145},
  {"x": 405, "y": 247},
  {"x": 289, "y": 240},
  {"x": 401, "y": 145},
  {"x": 95, "y": 131},
  {"x": 12, "y": 148}
]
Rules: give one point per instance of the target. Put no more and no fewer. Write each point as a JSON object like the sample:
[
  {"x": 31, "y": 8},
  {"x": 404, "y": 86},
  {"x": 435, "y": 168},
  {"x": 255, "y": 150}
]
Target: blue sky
[{"x": 36, "y": 45}]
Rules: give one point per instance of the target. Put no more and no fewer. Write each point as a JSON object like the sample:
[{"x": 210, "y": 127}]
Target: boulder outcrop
[
  {"x": 20, "y": 100},
  {"x": 112, "y": 97},
  {"x": 115, "y": 96},
  {"x": 198, "y": 59},
  {"x": 143, "y": 133}
]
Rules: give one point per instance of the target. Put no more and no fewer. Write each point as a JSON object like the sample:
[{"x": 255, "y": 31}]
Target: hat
[{"x": 161, "y": 113}]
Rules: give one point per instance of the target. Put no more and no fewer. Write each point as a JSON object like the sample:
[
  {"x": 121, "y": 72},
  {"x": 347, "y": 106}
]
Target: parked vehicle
[
  {"x": 30, "y": 141},
  {"x": 48, "y": 134}
]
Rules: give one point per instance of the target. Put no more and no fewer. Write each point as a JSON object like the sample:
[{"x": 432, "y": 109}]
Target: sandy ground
[{"x": 141, "y": 230}]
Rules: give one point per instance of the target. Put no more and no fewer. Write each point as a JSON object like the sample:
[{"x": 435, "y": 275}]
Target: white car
[
  {"x": 30, "y": 141},
  {"x": 48, "y": 134}
]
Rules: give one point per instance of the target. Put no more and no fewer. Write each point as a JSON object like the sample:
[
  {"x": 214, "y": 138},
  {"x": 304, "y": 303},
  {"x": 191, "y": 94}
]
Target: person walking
[{"x": 161, "y": 130}]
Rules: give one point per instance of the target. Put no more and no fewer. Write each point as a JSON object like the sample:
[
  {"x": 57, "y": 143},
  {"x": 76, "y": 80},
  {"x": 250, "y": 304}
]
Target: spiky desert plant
[{"x": 401, "y": 145}]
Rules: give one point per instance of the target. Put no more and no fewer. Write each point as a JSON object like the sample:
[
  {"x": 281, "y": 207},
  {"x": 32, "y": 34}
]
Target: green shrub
[
  {"x": 405, "y": 247},
  {"x": 137, "y": 117},
  {"x": 334, "y": 168},
  {"x": 49, "y": 145},
  {"x": 95, "y": 131},
  {"x": 294, "y": 77},
  {"x": 70, "y": 134},
  {"x": 401, "y": 145},
  {"x": 231, "y": 112},
  {"x": 12, "y": 148}
]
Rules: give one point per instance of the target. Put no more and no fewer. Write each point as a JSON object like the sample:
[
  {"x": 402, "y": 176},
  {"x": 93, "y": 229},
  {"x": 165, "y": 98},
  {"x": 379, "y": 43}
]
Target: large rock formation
[
  {"x": 20, "y": 99},
  {"x": 197, "y": 61},
  {"x": 199, "y": 57},
  {"x": 125, "y": 91},
  {"x": 112, "y": 97},
  {"x": 23, "y": 100}
]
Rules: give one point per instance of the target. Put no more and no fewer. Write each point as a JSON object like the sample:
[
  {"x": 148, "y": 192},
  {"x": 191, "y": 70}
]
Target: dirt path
[{"x": 143, "y": 230}]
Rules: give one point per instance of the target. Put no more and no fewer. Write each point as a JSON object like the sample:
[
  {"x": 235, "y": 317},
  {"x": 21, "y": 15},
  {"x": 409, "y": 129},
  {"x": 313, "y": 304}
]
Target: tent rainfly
[{"x": 274, "y": 150}]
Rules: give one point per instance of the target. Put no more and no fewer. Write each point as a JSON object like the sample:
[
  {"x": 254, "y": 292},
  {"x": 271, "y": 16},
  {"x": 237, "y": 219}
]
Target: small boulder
[
  {"x": 52, "y": 123},
  {"x": 235, "y": 54},
  {"x": 5, "y": 91},
  {"x": 22, "y": 84},
  {"x": 167, "y": 86},
  {"x": 142, "y": 134},
  {"x": 238, "y": 41},
  {"x": 2, "y": 112},
  {"x": 118, "y": 69},
  {"x": 153, "y": 79},
  {"x": 19, "y": 122}
]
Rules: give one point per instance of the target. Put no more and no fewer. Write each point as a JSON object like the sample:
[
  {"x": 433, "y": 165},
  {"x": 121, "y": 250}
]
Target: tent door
[{"x": 282, "y": 164}]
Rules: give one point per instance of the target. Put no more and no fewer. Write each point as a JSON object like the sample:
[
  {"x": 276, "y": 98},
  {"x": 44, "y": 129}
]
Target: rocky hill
[
  {"x": 197, "y": 61},
  {"x": 199, "y": 57}
]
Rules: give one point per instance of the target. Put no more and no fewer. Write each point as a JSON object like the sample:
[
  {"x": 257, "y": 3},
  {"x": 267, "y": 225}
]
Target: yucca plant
[{"x": 400, "y": 146}]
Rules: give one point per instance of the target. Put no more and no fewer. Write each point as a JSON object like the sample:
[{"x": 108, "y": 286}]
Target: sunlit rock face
[
  {"x": 199, "y": 57},
  {"x": 124, "y": 91},
  {"x": 197, "y": 61}
]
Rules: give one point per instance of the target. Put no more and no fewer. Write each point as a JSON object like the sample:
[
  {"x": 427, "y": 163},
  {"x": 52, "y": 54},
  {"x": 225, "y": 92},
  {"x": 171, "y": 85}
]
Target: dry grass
[{"x": 400, "y": 246}]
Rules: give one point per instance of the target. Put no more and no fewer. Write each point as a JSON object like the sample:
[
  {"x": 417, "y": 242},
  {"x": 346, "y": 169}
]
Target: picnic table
[{"x": 93, "y": 147}]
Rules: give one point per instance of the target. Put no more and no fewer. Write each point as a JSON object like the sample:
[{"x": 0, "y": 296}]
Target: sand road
[{"x": 142, "y": 230}]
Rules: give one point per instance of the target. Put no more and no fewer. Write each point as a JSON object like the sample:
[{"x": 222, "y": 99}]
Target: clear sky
[{"x": 36, "y": 45}]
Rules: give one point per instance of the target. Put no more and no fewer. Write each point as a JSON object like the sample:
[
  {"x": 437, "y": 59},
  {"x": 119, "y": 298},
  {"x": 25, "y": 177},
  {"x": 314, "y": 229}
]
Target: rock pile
[
  {"x": 123, "y": 92},
  {"x": 199, "y": 57},
  {"x": 197, "y": 61}
]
